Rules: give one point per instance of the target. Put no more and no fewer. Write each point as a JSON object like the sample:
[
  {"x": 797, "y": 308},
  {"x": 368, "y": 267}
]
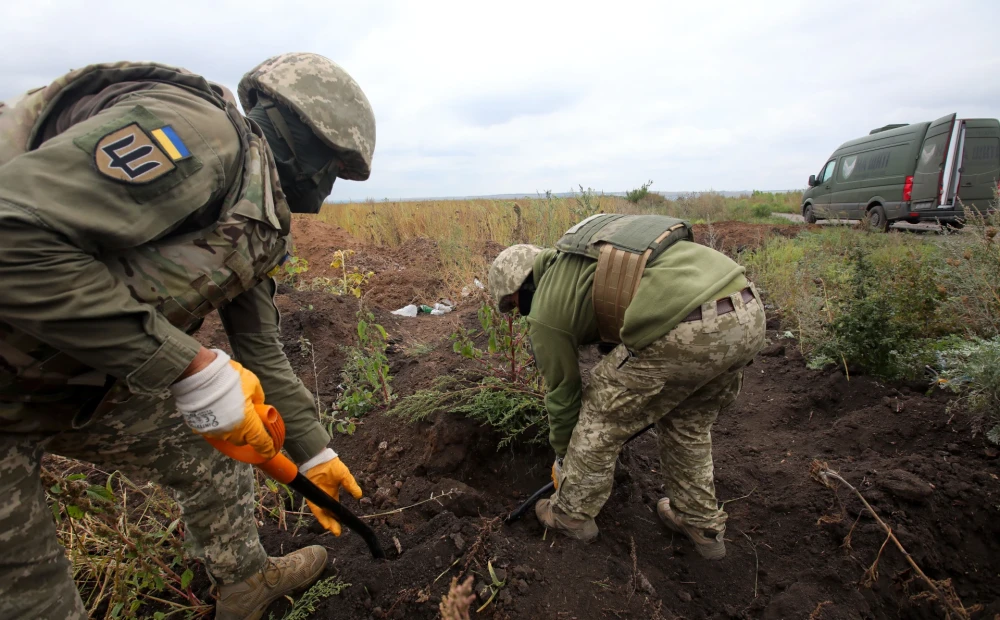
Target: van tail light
[{"x": 907, "y": 189}]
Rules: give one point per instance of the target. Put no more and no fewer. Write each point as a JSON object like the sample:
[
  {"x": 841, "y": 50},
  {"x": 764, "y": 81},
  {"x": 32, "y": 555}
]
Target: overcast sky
[{"x": 477, "y": 98}]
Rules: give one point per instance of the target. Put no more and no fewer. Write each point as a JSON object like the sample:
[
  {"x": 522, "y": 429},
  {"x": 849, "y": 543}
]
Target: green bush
[
  {"x": 972, "y": 370},
  {"x": 872, "y": 330},
  {"x": 635, "y": 196},
  {"x": 761, "y": 210}
]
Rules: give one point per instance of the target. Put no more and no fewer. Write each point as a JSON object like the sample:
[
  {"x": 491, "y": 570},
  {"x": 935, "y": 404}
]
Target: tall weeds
[{"x": 465, "y": 230}]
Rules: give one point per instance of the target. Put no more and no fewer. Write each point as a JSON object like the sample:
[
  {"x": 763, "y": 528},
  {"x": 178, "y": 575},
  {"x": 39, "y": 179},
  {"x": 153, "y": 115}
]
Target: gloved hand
[
  {"x": 557, "y": 471},
  {"x": 219, "y": 401},
  {"x": 329, "y": 473}
]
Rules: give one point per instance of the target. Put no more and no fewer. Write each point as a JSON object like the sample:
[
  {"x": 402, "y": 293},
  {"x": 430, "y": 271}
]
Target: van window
[
  {"x": 827, "y": 173},
  {"x": 872, "y": 164},
  {"x": 981, "y": 155}
]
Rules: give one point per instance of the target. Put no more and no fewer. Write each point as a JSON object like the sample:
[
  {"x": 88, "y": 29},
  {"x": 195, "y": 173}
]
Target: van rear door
[
  {"x": 980, "y": 170},
  {"x": 930, "y": 161}
]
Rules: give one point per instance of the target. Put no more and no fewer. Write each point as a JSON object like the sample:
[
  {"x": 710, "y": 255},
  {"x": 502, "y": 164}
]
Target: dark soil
[
  {"x": 736, "y": 237},
  {"x": 796, "y": 549}
]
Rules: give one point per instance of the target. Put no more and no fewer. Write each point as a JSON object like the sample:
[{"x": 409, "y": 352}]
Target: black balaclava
[
  {"x": 306, "y": 166},
  {"x": 525, "y": 295}
]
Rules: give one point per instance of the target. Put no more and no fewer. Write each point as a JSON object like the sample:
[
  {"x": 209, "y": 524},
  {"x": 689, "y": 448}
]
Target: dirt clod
[{"x": 905, "y": 485}]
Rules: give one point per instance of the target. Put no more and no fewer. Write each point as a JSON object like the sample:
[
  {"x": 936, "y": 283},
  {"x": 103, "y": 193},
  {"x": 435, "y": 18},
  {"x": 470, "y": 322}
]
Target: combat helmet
[
  {"x": 510, "y": 269},
  {"x": 327, "y": 99}
]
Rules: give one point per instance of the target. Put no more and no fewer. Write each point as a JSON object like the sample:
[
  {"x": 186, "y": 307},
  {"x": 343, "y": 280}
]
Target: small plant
[
  {"x": 635, "y": 196},
  {"x": 509, "y": 398},
  {"x": 305, "y": 606},
  {"x": 494, "y": 586},
  {"x": 292, "y": 272},
  {"x": 351, "y": 282},
  {"x": 366, "y": 372},
  {"x": 507, "y": 354},
  {"x": 587, "y": 203}
]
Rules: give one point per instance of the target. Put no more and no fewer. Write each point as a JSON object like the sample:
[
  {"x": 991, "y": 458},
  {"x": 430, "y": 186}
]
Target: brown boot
[
  {"x": 555, "y": 519},
  {"x": 248, "y": 599},
  {"x": 708, "y": 543}
]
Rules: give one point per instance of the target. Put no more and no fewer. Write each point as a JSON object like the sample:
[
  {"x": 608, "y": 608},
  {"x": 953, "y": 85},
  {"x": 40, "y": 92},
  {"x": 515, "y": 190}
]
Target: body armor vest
[
  {"x": 622, "y": 245},
  {"x": 185, "y": 277}
]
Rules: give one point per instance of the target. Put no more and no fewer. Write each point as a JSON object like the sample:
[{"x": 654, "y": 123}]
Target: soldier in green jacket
[
  {"x": 685, "y": 321},
  {"x": 135, "y": 199}
]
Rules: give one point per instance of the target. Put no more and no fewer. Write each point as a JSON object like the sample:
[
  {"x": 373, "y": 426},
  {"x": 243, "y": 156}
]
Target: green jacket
[
  {"x": 58, "y": 212},
  {"x": 562, "y": 315}
]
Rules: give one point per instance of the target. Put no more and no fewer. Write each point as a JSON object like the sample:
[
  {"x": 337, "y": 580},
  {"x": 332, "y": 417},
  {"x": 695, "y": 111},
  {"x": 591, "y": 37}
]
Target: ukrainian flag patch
[{"x": 171, "y": 143}]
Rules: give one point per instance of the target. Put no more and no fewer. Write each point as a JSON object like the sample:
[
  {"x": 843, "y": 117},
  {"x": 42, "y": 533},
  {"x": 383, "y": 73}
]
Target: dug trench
[{"x": 796, "y": 549}]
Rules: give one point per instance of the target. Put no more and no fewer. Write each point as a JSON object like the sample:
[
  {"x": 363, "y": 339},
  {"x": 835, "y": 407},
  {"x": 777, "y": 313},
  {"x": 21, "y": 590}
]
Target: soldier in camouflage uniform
[
  {"x": 135, "y": 199},
  {"x": 685, "y": 321}
]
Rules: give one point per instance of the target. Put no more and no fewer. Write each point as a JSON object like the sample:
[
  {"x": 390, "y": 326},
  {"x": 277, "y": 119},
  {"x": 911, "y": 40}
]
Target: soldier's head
[
  {"x": 317, "y": 122},
  {"x": 508, "y": 274}
]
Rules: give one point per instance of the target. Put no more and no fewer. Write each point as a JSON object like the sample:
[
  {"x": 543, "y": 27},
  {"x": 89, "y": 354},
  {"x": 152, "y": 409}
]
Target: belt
[{"x": 723, "y": 306}]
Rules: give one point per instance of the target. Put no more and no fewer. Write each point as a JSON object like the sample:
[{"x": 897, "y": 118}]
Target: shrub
[
  {"x": 761, "y": 210},
  {"x": 869, "y": 331},
  {"x": 635, "y": 196},
  {"x": 972, "y": 370}
]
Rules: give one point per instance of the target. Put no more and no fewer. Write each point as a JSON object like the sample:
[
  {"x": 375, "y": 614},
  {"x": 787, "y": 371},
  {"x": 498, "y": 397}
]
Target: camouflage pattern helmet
[
  {"x": 327, "y": 99},
  {"x": 510, "y": 269}
]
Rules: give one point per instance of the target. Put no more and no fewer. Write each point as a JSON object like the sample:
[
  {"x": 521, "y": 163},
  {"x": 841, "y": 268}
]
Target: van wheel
[
  {"x": 876, "y": 219},
  {"x": 808, "y": 215}
]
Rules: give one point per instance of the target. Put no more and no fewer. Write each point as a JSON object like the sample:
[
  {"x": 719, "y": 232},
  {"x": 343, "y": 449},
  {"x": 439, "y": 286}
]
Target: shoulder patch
[
  {"x": 130, "y": 156},
  {"x": 140, "y": 151}
]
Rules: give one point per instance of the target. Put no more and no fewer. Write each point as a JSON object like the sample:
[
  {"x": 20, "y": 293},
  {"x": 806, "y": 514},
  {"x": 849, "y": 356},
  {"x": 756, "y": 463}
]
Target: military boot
[
  {"x": 248, "y": 599},
  {"x": 554, "y": 518},
  {"x": 708, "y": 543}
]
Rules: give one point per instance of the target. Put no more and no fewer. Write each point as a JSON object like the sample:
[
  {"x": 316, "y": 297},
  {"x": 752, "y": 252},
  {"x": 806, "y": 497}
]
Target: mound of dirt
[
  {"x": 796, "y": 549},
  {"x": 735, "y": 237}
]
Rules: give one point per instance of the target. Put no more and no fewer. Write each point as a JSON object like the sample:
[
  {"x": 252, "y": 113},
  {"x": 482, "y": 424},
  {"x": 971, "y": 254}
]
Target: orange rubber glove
[
  {"x": 556, "y": 472},
  {"x": 220, "y": 401},
  {"x": 331, "y": 476},
  {"x": 251, "y": 430}
]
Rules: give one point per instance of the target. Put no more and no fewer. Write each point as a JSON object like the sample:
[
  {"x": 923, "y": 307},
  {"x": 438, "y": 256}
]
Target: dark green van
[{"x": 924, "y": 172}]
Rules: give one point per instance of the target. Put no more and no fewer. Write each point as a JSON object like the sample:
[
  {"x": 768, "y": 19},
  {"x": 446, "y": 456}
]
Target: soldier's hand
[
  {"x": 220, "y": 401},
  {"x": 329, "y": 473}
]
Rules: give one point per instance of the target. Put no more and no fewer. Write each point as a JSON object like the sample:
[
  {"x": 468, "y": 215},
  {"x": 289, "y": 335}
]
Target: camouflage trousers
[
  {"x": 146, "y": 439},
  {"x": 679, "y": 382}
]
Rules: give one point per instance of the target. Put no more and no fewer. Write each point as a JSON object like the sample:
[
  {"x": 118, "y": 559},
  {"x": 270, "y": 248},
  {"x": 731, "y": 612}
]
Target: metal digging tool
[
  {"x": 548, "y": 488},
  {"x": 284, "y": 470}
]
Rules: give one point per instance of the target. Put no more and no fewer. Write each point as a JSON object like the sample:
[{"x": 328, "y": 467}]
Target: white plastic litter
[
  {"x": 410, "y": 310},
  {"x": 440, "y": 309},
  {"x": 478, "y": 283}
]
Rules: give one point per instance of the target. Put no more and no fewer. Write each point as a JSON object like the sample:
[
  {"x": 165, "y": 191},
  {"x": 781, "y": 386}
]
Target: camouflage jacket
[
  {"x": 562, "y": 317},
  {"x": 134, "y": 201}
]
